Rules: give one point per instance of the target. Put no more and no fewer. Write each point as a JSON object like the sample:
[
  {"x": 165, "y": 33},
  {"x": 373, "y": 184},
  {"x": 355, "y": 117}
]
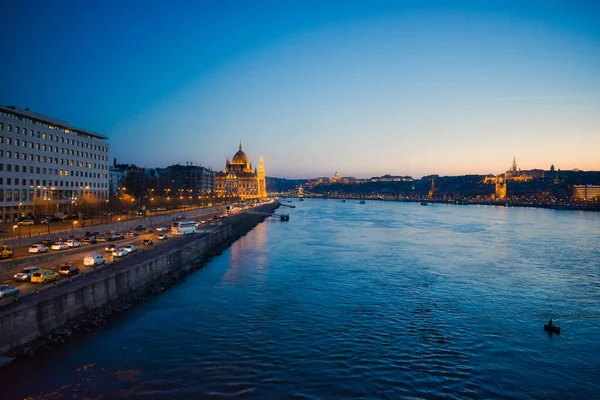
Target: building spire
[{"x": 240, "y": 144}]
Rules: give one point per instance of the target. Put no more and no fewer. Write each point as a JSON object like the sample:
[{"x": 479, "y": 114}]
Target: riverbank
[
  {"x": 51, "y": 317},
  {"x": 572, "y": 207}
]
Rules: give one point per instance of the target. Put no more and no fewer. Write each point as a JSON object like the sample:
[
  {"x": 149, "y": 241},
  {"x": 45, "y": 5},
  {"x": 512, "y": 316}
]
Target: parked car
[
  {"x": 93, "y": 259},
  {"x": 38, "y": 248},
  {"x": 132, "y": 233},
  {"x": 119, "y": 252},
  {"x": 6, "y": 251},
  {"x": 26, "y": 222},
  {"x": 89, "y": 240},
  {"x": 7, "y": 290},
  {"x": 149, "y": 230},
  {"x": 25, "y": 275},
  {"x": 148, "y": 242},
  {"x": 73, "y": 243},
  {"x": 161, "y": 229},
  {"x": 68, "y": 270},
  {"x": 44, "y": 276},
  {"x": 140, "y": 228},
  {"x": 60, "y": 246},
  {"x": 162, "y": 236},
  {"x": 48, "y": 242},
  {"x": 110, "y": 248},
  {"x": 130, "y": 248}
]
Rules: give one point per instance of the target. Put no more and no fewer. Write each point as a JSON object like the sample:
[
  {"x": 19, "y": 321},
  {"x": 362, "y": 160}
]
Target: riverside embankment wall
[{"x": 38, "y": 315}]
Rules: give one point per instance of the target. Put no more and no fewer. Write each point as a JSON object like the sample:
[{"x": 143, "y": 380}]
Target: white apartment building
[{"x": 47, "y": 166}]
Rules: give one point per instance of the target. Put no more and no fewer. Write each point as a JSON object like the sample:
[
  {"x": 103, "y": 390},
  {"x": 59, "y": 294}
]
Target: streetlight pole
[
  {"x": 74, "y": 223},
  {"x": 13, "y": 242},
  {"x": 118, "y": 220}
]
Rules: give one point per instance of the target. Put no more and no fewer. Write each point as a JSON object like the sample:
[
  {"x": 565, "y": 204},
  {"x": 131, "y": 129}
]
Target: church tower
[
  {"x": 261, "y": 178},
  {"x": 514, "y": 165}
]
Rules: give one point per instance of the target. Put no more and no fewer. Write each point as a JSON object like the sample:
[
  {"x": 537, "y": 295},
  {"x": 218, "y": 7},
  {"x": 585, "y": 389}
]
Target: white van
[{"x": 93, "y": 259}]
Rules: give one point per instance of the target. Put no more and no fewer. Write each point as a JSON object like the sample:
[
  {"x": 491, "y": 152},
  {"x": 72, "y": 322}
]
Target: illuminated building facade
[
  {"x": 586, "y": 192},
  {"x": 46, "y": 165},
  {"x": 239, "y": 180}
]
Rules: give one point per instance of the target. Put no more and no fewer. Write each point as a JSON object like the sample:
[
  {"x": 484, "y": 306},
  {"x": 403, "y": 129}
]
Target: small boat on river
[{"x": 424, "y": 203}]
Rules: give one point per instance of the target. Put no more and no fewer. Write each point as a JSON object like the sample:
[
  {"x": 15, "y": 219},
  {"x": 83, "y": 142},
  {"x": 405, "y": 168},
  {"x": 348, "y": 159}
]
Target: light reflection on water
[{"x": 382, "y": 300}]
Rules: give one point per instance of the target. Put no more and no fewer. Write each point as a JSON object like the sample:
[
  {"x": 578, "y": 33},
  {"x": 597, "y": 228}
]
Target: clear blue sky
[{"x": 360, "y": 87}]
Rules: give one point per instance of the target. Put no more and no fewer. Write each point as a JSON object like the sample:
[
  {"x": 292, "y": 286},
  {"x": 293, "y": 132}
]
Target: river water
[{"x": 381, "y": 300}]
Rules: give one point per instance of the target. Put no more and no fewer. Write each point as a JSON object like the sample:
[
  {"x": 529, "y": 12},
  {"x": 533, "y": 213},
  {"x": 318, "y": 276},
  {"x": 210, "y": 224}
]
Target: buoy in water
[{"x": 551, "y": 328}]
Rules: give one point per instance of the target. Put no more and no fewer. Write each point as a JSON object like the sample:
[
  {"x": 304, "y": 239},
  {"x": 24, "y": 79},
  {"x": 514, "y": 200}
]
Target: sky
[{"x": 363, "y": 88}]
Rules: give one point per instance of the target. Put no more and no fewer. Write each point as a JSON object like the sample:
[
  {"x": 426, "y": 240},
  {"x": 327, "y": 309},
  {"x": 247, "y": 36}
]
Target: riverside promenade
[{"x": 106, "y": 287}]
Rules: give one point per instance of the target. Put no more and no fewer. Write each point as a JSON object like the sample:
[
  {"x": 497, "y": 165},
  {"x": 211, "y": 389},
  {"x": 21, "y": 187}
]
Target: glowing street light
[
  {"x": 118, "y": 220},
  {"x": 13, "y": 240},
  {"x": 74, "y": 223}
]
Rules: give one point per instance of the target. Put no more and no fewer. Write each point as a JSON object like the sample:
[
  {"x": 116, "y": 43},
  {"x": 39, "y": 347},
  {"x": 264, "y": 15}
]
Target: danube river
[{"x": 381, "y": 300}]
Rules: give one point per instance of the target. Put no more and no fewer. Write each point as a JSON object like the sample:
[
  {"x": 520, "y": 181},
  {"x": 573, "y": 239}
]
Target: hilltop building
[{"x": 239, "y": 180}]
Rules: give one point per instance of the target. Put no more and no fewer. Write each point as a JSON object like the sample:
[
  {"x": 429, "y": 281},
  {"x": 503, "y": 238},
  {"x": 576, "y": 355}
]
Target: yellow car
[{"x": 44, "y": 276}]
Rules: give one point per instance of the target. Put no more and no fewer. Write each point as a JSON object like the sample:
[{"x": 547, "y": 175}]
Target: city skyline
[{"x": 366, "y": 90}]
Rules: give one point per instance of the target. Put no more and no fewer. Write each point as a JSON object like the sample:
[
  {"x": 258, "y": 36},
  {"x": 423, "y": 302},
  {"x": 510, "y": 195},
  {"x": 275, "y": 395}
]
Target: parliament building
[{"x": 239, "y": 180}]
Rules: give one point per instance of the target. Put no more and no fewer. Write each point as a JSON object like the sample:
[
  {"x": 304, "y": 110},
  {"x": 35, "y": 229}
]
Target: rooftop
[{"x": 25, "y": 113}]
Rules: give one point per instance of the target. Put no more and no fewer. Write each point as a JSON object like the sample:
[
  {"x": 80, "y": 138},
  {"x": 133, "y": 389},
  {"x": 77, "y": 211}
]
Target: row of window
[
  {"x": 24, "y": 194},
  {"x": 23, "y": 156},
  {"x": 50, "y": 148},
  {"x": 50, "y": 183},
  {"x": 51, "y": 137},
  {"x": 44, "y": 171}
]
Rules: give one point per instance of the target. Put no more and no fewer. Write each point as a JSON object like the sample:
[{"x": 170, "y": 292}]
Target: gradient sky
[{"x": 360, "y": 87}]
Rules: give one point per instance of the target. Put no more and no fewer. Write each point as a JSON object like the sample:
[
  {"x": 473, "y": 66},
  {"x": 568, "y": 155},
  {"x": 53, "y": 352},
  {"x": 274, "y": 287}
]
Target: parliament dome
[{"x": 240, "y": 157}]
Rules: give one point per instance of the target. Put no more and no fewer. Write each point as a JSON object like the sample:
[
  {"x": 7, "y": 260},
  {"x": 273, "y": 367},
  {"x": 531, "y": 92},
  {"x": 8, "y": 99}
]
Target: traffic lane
[
  {"x": 77, "y": 260},
  {"x": 23, "y": 252},
  {"x": 42, "y": 229},
  {"x": 77, "y": 253}
]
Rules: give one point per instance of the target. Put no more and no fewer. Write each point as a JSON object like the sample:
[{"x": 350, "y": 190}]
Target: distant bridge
[{"x": 298, "y": 192}]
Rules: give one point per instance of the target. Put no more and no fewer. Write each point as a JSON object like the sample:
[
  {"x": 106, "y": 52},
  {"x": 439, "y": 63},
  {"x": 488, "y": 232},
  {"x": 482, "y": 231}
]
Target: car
[
  {"x": 48, "y": 242},
  {"x": 119, "y": 252},
  {"x": 130, "y": 248},
  {"x": 89, "y": 240},
  {"x": 25, "y": 275},
  {"x": 102, "y": 238},
  {"x": 161, "y": 229},
  {"x": 118, "y": 236},
  {"x": 148, "y": 242},
  {"x": 6, "y": 251},
  {"x": 44, "y": 276},
  {"x": 73, "y": 243},
  {"x": 132, "y": 233},
  {"x": 7, "y": 290},
  {"x": 26, "y": 222},
  {"x": 110, "y": 248},
  {"x": 162, "y": 236},
  {"x": 68, "y": 270},
  {"x": 38, "y": 248},
  {"x": 140, "y": 228},
  {"x": 149, "y": 230},
  {"x": 60, "y": 246},
  {"x": 92, "y": 260}
]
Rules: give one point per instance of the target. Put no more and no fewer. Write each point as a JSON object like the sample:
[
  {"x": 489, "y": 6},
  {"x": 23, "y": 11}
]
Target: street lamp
[
  {"x": 13, "y": 237},
  {"x": 118, "y": 220},
  {"x": 74, "y": 223}
]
